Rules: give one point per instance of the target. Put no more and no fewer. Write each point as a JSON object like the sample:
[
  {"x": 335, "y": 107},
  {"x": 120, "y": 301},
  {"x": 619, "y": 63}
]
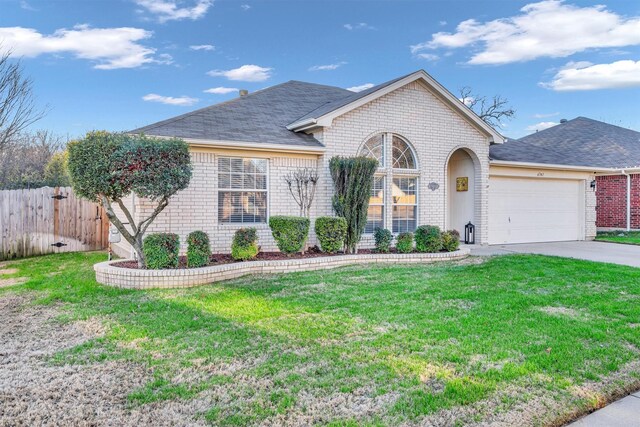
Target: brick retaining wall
[{"x": 131, "y": 278}]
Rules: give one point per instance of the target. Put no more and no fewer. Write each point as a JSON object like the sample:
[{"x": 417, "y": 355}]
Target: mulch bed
[{"x": 219, "y": 259}]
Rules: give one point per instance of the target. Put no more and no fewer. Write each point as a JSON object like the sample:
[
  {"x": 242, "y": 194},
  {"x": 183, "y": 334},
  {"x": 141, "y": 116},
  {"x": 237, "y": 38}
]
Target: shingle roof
[
  {"x": 260, "y": 117},
  {"x": 578, "y": 142}
]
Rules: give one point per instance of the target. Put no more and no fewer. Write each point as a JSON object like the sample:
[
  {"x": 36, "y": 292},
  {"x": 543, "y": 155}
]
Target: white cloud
[
  {"x": 169, "y": 10},
  {"x": 442, "y": 23},
  {"x": 540, "y": 126},
  {"x": 221, "y": 90},
  {"x": 545, "y": 115},
  {"x": 359, "y": 26},
  {"x": 182, "y": 101},
  {"x": 245, "y": 7},
  {"x": 109, "y": 48},
  {"x": 587, "y": 76},
  {"x": 327, "y": 67},
  {"x": 361, "y": 87},
  {"x": 548, "y": 28},
  {"x": 202, "y": 47},
  {"x": 26, "y": 6},
  {"x": 467, "y": 100},
  {"x": 246, "y": 73},
  {"x": 428, "y": 56}
]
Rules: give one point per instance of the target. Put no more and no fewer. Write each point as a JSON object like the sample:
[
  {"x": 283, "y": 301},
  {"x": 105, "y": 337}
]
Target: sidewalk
[{"x": 622, "y": 413}]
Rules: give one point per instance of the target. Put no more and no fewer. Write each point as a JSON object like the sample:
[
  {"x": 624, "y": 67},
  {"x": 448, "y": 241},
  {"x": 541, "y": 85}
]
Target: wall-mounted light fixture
[{"x": 593, "y": 184}]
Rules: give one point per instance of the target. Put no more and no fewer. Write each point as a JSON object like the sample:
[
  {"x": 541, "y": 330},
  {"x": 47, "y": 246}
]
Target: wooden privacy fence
[{"x": 49, "y": 220}]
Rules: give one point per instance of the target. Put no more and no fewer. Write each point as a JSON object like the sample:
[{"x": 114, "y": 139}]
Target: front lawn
[
  {"x": 628, "y": 237},
  {"x": 518, "y": 339}
]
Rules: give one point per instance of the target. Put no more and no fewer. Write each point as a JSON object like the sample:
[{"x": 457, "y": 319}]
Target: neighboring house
[
  {"x": 422, "y": 135},
  {"x": 611, "y": 153}
]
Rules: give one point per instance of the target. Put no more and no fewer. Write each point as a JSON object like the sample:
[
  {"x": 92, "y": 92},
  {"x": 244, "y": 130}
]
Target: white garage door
[{"x": 525, "y": 210}]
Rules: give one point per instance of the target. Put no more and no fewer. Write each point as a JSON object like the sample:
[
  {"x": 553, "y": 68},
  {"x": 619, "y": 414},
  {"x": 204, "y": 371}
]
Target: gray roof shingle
[
  {"x": 578, "y": 142},
  {"x": 260, "y": 117}
]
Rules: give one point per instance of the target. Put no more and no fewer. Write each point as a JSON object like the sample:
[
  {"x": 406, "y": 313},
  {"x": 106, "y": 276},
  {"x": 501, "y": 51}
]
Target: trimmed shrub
[
  {"x": 290, "y": 232},
  {"x": 450, "y": 240},
  {"x": 161, "y": 250},
  {"x": 198, "y": 249},
  {"x": 331, "y": 232},
  {"x": 383, "y": 239},
  {"x": 404, "y": 243},
  {"x": 352, "y": 182},
  {"x": 428, "y": 239},
  {"x": 245, "y": 244}
]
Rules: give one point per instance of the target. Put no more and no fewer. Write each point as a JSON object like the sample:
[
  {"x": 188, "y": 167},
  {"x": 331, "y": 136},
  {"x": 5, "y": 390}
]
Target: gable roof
[
  {"x": 578, "y": 142},
  {"x": 324, "y": 115},
  {"x": 260, "y": 117},
  {"x": 271, "y": 116}
]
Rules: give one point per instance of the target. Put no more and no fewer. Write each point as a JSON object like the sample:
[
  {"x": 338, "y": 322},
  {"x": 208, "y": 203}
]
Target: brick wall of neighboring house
[{"x": 612, "y": 201}]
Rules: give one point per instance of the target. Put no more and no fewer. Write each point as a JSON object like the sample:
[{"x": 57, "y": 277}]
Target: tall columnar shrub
[
  {"x": 352, "y": 180},
  {"x": 404, "y": 242},
  {"x": 245, "y": 244},
  {"x": 161, "y": 250},
  {"x": 289, "y": 232},
  {"x": 450, "y": 240},
  {"x": 383, "y": 238},
  {"x": 198, "y": 249},
  {"x": 428, "y": 239},
  {"x": 106, "y": 167},
  {"x": 331, "y": 232}
]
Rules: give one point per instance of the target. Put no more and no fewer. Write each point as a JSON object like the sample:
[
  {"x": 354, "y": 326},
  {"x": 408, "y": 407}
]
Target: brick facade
[
  {"x": 611, "y": 193},
  {"x": 413, "y": 111}
]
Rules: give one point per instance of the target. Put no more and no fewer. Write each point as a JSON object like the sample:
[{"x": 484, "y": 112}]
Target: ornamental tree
[
  {"x": 106, "y": 167},
  {"x": 352, "y": 181}
]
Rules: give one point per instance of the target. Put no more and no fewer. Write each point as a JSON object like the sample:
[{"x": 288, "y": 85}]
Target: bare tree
[
  {"x": 17, "y": 103},
  {"x": 492, "y": 111},
  {"x": 302, "y": 186}
]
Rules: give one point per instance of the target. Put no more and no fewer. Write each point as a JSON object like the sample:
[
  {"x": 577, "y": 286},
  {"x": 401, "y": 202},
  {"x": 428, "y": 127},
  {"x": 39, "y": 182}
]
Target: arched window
[
  {"x": 374, "y": 148},
  {"x": 391, "y": 185}
]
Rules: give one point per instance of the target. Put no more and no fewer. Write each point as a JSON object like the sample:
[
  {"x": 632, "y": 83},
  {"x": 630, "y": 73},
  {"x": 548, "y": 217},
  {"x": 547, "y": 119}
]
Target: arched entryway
[{"x": 461, "y": 190}]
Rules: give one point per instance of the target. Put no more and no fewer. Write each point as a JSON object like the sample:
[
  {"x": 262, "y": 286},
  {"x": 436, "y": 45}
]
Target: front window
[
  {"x": 242, "y": 190},
  {"x": 405, "y": 204},
  {"x": 375, "y": 214},
  {"x": 397, "y": 168}
]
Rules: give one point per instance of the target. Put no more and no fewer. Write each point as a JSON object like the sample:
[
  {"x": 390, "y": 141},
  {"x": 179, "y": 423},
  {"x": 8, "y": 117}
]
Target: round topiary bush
[
  {"x": 198, "y": 249},
  {"x": 245, "y": 244},
  {"x": 450, "y": 240},
  {"x": 331, "y": 232},
  {"x": 289, "y": 232},
  {"x": 428, "y": 239},
  {"x": 404, "y": 243},
  {"x": 161, "y": 250},
  {"x": 383, "y": 238}
]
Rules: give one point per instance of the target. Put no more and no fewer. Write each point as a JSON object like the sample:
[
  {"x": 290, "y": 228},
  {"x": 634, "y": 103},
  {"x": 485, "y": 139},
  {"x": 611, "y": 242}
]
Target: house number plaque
[{"x": 462, "y": 183}]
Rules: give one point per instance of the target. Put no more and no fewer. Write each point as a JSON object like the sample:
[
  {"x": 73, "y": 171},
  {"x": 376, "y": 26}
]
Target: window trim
[
  {"x": 383, "y": 204},
  {"x": 266, "y": 190}
]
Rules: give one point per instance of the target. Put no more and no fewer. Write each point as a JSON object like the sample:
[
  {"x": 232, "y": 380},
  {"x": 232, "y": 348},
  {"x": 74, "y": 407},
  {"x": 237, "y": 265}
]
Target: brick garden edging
[{"x": 131, "y": 278}]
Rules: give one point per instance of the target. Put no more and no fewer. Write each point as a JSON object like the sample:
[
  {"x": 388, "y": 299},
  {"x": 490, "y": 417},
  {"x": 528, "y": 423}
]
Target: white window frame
[
  {"x": 415, "y": 205},
  {"x": 230, "y": 190},
  {"x": 387, "y": 171}
]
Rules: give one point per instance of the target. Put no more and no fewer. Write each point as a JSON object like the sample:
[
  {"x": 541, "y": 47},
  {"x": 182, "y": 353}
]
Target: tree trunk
[{"x": 137, "y": 247}]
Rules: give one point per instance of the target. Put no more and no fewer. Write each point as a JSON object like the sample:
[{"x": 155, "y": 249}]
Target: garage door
[{"x": 525, "y": 210}]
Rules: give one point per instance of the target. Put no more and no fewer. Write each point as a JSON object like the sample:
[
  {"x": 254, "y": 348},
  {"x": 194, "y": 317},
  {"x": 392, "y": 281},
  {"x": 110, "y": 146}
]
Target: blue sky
[{"x": 121, "y": 64}]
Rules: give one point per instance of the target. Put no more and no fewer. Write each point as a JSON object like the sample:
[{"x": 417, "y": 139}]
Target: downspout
[{"x": 628, "y": 198}]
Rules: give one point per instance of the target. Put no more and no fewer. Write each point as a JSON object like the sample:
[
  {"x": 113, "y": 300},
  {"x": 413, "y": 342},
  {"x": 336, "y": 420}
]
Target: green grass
[
  {"x": 412, "y": 341},
  {"x": 628, "y": 237}
]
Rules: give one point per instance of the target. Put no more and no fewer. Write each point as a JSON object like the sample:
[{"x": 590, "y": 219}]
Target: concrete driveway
[{"x": 614, "y": 253}]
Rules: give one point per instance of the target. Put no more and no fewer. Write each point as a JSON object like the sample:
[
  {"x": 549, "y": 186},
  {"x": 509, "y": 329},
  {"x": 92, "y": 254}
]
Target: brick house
[{"x": 424, "y": 138}]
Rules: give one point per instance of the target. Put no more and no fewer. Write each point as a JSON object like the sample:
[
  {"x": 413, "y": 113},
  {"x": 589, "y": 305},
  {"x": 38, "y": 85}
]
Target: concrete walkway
[
  {"x": 623, "y": 413},
  {"x": 592, "y": 251}
]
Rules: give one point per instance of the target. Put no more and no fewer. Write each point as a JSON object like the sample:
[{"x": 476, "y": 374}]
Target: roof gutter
[{"x": 552, "y": 166}]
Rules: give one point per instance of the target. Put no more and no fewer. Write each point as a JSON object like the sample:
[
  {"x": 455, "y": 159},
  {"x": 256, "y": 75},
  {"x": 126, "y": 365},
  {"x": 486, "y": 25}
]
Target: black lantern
[{"x": 469, "y": 234}]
